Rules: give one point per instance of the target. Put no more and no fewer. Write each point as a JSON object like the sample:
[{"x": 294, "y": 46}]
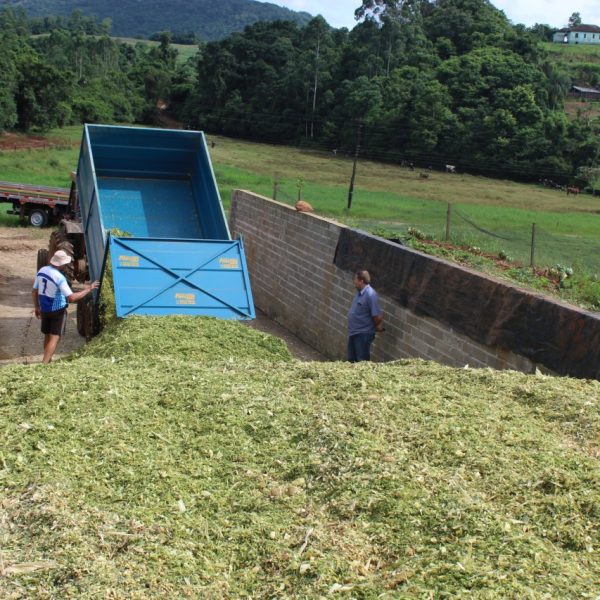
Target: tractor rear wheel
[
  {"x": 42, "y": 258},
  {"x": 81, "y": 318},
  {"x": 59, "y": 240},
  {"x": 89, "y": 322}
]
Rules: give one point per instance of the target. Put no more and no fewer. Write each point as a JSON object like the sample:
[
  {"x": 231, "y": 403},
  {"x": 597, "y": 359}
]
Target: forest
[
  {"x": 204, "y": 19},
  {"x": 420, "y": 81}
]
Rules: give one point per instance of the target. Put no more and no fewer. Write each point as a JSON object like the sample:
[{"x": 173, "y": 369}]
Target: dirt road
[{"x": 20, "y": 336}]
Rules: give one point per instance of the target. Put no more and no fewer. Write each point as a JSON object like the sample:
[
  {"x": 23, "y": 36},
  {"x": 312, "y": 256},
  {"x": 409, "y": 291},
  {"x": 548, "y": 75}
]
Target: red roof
[{"x": 581, "y": 28}]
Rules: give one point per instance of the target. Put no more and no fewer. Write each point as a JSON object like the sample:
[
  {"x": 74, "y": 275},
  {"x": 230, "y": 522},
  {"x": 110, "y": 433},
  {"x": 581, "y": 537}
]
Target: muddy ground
[{"x": 20, "y": 337}]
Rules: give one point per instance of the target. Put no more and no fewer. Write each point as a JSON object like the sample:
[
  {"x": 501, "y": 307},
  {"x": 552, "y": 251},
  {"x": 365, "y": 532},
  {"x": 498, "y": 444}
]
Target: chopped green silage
[
  {"x": 198, "y": 468},
  {"x": 183, "y": 338}
]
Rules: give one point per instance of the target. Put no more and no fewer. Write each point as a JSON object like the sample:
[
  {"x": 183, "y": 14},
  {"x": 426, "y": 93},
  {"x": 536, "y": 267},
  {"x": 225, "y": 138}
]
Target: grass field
[
  {"x": 385, "y": 196},
  {"x": 574, "y": 53},
  {"x": 185, "y": 51}
]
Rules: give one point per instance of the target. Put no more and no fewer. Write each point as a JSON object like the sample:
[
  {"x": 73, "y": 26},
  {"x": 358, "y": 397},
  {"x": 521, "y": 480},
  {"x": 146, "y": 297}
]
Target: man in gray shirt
[{"x": 364, "y": 318}]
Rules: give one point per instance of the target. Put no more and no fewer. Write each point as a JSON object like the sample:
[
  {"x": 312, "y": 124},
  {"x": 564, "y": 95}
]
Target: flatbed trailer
[{"x": 38, "y": 204}]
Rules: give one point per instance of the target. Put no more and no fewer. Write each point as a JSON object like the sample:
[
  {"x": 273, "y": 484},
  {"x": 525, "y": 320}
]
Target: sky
[{"x": 340, "y": 13}]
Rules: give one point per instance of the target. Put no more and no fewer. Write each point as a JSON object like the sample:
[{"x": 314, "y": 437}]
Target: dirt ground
[
  {"x": 18, "y": 141},
  {"x": 20, "y": 336}
]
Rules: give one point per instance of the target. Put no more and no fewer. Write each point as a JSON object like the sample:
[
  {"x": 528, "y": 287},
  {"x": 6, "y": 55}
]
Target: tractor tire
[
  {"x": 59, "y": 241},
  {"x": 89, "y": 319},
  {"x": 86, "y": 318},
  {"x": 81, "y": 318},
  {"x": 56, "y": 237},
  {"x": 67, "y": 247},
  {"x": 42, "y": 258}
]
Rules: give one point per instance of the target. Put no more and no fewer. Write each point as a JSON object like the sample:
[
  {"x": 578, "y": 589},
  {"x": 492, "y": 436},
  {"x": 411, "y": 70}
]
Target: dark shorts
[{"x": 54, "y": 322}]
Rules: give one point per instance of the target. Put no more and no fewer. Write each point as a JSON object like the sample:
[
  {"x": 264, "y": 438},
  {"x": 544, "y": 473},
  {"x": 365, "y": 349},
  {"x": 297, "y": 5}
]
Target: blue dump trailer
[{"x": 148, "y": 200}]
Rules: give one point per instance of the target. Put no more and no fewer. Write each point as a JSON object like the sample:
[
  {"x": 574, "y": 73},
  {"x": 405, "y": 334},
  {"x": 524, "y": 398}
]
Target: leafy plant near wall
[{"x": 573, "y": 285}]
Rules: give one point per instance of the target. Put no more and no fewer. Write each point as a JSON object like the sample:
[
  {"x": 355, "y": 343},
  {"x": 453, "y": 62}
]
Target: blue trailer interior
[
  {"x": 159, "y": 185},
  {"x": 150, "y": 207}
]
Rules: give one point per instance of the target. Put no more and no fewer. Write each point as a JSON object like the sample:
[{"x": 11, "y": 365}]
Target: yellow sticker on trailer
[
  {"x": 229, "y": 263},
  {"x": 129, "y": 261},
  {"x": 185, "y": 299}
]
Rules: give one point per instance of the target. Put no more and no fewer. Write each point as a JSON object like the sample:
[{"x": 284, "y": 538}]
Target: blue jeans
[{"x": 359, "y": 346}]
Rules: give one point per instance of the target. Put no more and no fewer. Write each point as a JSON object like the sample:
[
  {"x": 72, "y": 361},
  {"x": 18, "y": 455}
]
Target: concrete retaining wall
[{"x": 294, "y": 262}]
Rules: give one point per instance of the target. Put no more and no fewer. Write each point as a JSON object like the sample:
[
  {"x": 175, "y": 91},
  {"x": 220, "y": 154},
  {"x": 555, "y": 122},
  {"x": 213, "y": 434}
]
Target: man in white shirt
[{"x": 51, "y": 295}]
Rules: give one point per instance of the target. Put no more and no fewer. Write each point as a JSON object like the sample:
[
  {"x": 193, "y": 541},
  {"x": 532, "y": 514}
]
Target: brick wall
[{"x": 295, "y": 281}]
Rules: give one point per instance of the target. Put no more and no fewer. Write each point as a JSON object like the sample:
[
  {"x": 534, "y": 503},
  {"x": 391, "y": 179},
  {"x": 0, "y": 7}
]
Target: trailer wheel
[
  {"x": 81, "y": 318},
  {"x": 42, "y": 258},
  {"x": 38, "y": 218},
  {"x": 89, "y": 324}
]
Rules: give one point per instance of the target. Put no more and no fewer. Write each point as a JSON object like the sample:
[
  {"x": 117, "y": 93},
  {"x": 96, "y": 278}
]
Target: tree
[
  {"x": 574, "y": 20},
  {"x": 558, "y": 84},
  {"x": 10, "y": 44},
  {"x": 42, "y": 96},
  {"x": 542, "y": 31},
  {"x": 8, "y": 85},
  {"x": 591, "y": 176},
  {"x": 317, "y": 40},
  {"x": 378, "y": 9}
]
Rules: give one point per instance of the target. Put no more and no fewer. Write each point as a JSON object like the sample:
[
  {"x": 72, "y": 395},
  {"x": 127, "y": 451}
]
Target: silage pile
[{"x": 192, "y": 458}]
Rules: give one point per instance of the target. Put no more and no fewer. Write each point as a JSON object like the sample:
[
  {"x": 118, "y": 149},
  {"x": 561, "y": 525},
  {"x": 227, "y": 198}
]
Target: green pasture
[
  {"x": 185, "y": 51},
  {"x": 385, "y": 196},
  {"x": 574, "y": 53}
]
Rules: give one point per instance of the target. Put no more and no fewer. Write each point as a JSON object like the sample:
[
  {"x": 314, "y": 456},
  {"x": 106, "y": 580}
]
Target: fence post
[
  {"x": 356, "y": 150},
  {"x": 448, "y": 220},
  {"x": 300, "y": 185},
  {"x": 532, "y": 256},
  {"x": 275, "y": 187}
]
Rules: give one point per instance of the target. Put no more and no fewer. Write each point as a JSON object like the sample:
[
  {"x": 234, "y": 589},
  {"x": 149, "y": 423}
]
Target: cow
[
  {"x": 423, "y": 175},
  {"x": 572, "y": 190},
  {"x": 450, "y": 169}
]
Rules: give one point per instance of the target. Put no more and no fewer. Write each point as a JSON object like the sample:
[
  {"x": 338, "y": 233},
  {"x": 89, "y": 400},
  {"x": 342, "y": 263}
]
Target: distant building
[
  {"x": 585, "y": 93},
  {"x": 581, "y": 34}
]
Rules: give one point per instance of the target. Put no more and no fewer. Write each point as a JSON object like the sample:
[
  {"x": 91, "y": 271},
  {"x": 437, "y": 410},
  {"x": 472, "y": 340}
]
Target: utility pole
[{"x": 351, "y": 190}]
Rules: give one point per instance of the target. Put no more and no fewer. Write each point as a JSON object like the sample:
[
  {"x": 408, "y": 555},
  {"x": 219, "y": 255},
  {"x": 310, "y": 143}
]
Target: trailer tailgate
[{"x": 158, "y": 276}]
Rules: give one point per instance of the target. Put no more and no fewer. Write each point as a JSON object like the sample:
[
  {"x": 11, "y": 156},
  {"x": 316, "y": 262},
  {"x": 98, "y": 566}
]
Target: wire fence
[
  {"x": 527, "y": 245},
  {"x": 524, "y": 244}
]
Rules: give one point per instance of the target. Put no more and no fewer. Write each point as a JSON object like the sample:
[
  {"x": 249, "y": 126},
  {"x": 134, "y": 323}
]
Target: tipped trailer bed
[
  {"x": 146, "y": 202},
  {"x": 148, "y": 198}
]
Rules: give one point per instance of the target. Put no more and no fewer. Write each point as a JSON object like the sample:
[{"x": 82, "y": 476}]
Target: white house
[{"x": 581, "y": 34}]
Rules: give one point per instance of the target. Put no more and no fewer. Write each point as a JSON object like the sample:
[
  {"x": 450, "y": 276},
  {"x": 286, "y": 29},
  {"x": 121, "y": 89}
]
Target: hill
[
  {"x": 135, "y": 18},
  {"x": 582, "y": 65},
  {"x": 214, "y": 466}
]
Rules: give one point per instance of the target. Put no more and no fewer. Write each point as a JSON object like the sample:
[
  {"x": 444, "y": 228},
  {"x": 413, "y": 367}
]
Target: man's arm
[
  {"x": 378, "y": 321},
  {"x": 77, "y": 296},
  {"x": 376, "y": 314}
]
